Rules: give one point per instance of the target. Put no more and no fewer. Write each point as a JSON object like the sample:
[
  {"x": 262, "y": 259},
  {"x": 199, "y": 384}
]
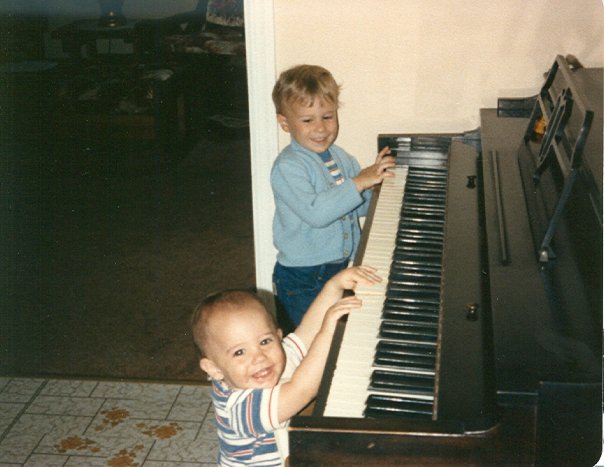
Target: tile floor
[
  {"x": 69, "y": 422},
  {"x": 57, "y": 422}
]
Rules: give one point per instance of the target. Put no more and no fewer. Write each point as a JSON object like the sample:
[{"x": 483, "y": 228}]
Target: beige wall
[{"x": 429, "y": 65}]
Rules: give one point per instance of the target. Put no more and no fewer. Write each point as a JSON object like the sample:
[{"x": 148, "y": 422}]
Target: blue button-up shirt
[{"x": 316, "y": 221}]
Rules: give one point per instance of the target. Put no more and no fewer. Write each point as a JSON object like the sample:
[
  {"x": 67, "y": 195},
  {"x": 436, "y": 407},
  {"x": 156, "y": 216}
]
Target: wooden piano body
[{"x": 519, "y": 366}]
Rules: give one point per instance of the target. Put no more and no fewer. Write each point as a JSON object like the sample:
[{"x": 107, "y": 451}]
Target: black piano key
[
  {"x": 415, "y": 247},
  {"x": 417, "y": 236},
  {"x": 429, "y": 177},
  {"x": 432, "y": 195},
  {"x": 407, "y": 268},
  {"x": 418, "y": 254},
  {"x": 436, "y": 182},
  {"x": 409, "y": 331},
  {"x": 410, "y": 309},
  {"x": 395, "y": 303},
  {"x": 415, "y": 293},
  {"x": 432, "y": 259},
  {"x": 424, "y": 202},
  {"x": 403, "y": 362},
  {"x": 425, "y": 214},
  {"x": 423, "y": 205},
  {"x": 442, "y": 143},
  {"x": 405, "y": 356},
  {"x": 435, "y": 175},
  {"x": 425, "y": 183},
  {"x": 414, "y": 278},
  {"x": 421, "y": 226},
  {"x": 414, "y": 285},
  {"x": 421, "y": 170},
  {"x": 399, "y": 308},
  {"x": 407, "y": 326},
  {"x": 420, "y": 241},
  {"x": 401, "y": 300},
  {"x": 420, "y": 315},
  {"x": 400, "y": 270},
  {"x": 405, "y": 265},
  {"x": 400, "y": 294},
  {"x": 418, "y": 223},
  {"x": 423, "y": 210},
  {"x": 428, "y": 235},
  {"x": 402, "y": 253},
  {"x": 381, "y": 406},
  {"x": 407, "y": 348},
  {"x": 413, "y": 244},
  {"x": 417, "y": 315},
  {"x": 402, "y": 383}
]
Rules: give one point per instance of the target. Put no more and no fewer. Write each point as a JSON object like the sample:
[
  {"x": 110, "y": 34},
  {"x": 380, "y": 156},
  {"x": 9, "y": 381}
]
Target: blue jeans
[{"x": 297, "y": 287}]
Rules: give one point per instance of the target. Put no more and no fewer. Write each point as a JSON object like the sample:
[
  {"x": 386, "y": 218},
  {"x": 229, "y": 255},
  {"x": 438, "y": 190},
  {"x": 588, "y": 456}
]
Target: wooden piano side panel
[{"x": 341, "y": 442}]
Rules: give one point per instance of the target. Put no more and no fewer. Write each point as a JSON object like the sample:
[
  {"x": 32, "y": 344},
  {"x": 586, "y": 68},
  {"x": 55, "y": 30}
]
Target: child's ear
[
  {"x": 283, "y": 122},
  {"x": 211, "y": 369}
]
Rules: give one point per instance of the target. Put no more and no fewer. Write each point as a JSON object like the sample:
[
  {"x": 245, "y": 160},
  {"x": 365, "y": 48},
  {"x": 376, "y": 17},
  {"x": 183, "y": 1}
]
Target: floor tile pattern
[
  {"x": 69, "y": 423},
  {"x": 56, "y": 422}
]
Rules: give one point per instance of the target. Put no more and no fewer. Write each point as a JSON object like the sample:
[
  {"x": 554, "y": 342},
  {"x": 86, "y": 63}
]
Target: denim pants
[{"x": 297, "y": 287}]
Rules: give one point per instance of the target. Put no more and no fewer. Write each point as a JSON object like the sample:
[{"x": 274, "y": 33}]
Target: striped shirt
[
  {"x": 247, "y": 420},
  {"x": 333, "y": 168}
]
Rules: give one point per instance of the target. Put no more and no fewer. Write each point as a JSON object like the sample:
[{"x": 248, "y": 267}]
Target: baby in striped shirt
[{"x": 260, "y": 379}]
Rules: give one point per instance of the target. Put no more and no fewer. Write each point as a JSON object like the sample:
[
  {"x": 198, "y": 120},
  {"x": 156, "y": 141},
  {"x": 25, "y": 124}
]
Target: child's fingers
[
  {"x": 349, "y": 301},
  {"x": 385, "y": 150},
  {"x": 341, "y": 308},
  {"x": 344, "y": 306},
  {"x": 381, "y": 154},
  {"x": 369, "y": 274},
  {"x": 383, "y": 166},
  {"x": 351, "y": 277}
]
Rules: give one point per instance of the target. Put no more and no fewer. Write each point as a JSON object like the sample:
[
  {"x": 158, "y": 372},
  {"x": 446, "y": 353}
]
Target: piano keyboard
[{"x": 386, "y": 364}]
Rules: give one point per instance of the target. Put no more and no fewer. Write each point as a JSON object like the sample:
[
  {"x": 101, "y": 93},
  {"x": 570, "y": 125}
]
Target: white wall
[
  {"x": 409, "y": 66},
  {"x": 429, "y": 65}
]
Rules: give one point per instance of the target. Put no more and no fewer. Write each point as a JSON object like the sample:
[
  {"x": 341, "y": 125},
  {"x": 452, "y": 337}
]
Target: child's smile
[{"x": 266, "y": 376}]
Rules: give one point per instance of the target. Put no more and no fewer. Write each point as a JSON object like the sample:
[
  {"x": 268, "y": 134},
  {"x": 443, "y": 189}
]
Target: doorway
[{"x": 112, "y": 242}]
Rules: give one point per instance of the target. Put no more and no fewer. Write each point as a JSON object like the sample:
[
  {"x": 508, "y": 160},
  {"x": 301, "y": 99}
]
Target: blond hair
[{"x": 303, "y": 84}]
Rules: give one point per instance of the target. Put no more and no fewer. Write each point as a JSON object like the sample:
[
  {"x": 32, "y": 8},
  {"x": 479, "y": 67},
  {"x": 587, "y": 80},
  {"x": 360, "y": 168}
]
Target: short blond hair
[
  {"x": 303, "y": 84},
  {"x": 220, "y": 302}
]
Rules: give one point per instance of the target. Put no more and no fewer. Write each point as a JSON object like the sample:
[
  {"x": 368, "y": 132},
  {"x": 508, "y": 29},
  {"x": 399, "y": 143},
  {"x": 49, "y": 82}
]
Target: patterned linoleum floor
[{"x": 70, "y": 422}]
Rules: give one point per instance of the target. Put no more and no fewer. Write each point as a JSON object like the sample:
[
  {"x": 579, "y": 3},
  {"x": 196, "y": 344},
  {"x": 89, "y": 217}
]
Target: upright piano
[{"x": 484, "y": 346}]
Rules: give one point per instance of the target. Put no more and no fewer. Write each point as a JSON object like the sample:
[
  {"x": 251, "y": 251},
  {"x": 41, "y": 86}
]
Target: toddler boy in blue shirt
[{"x": 319, "y": 189}]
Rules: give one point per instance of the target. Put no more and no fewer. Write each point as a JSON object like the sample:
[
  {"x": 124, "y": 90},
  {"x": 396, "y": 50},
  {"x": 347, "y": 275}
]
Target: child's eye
[
  {"x": 266, "y": 341},
  {"x": 327, "y": 117},
  {"x": 238, "y": 353}
]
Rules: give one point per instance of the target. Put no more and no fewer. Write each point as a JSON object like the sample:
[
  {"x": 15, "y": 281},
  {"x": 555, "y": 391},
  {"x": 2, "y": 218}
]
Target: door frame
[{"x": 264, "y": 145}]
